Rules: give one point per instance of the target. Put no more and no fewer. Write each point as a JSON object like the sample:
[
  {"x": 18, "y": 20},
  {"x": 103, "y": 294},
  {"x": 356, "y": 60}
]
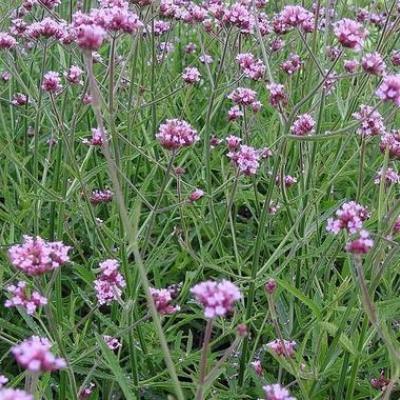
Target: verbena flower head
[
  {"x": 389, "y": 176},
  {"x": 258, "y": 369},
  {"x": 14, "y": 394},
  {"x": 174, "y": 134},
  {"x": 73, "y": 75},
  {"x": 234, "y": 113},
  {"x": 243, "y": 96},
  {"x": 283, "y": 347},
  {"x": 350, "y": 34},
  {"x": 112, "y": 342},
  {"x": 389, "y": 89},
  {"x": 162, "y": 299},
  {"x": 3, "y": 381},
  {"x": 51, "y": 82},
  {"x": 395, "y": 58},
  {"x": 371, "y": 121},
  {"x": 5, "y": 76},
  {"x": 191, "y": 75},
  {"x": 349, "y": 217},
  {"x": 109, "y": 283},
  {"x": 217, "y": 298},
  {"x": 20, "y": 99},
  {"x": 372, "y": 63},
  {"x": 351, "y": 66},
  {"x": 7, "y": 41},
  {"x": 34, "y": 355},
  {"x": 238, "y": 15},
  {"x": 252, "y": 68},
  {"x": 101, "y": 196},
  {"x": 196, "y": 195},
  {"x": 292, "y": 64},
  {"x": 90, "y": 37},
  {"x": 361, "y": 245},
  {"x": 96, "y": 139},
  {"x": 277, "y": 392},
  {"x": 277, "y": 95},
  {"x": 233, "y": 142},
  {"x": 304, "y": 125},
  {"x": 391, "y": 142},
  {"x": 36, "y": 256},
  {"x": 86, "y": 392},
  {"x": 295, "y": 16},
  {"x": 20, "y": 297},
  {"x": 161, "y": 27},
  {"x": 46, "y": 28},
  {"x": 246, "y": 159}
]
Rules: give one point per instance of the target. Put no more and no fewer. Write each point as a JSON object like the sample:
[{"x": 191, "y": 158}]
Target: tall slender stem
[{"x": 203, "y": 361}]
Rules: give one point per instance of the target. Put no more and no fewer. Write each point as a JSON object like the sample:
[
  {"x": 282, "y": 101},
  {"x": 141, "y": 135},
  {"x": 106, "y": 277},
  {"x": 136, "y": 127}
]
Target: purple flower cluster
[
  {"x": 162, "y": 299},
  {"x": 109, "y": 283},
  {"x": 34, "y": 355},
  {"x": 20, "y": 297},
  {"x": 246, "y": 159},
  {"x": 35, "y": 256},
  {"x": 174, "y": 134},
  {"x": 349, "y": 217},
  {"x": 371, "y": 121},
  {"x": 217, "y": 298}
]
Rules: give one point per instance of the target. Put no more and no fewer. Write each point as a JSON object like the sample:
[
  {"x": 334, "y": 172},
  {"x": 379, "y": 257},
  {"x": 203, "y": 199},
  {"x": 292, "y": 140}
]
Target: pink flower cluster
[
  {"x": 51, "y": 82},
  {"x": 162, "y": 299},
  {"x": 361, "y": 244},
  {"x": 390, "y": 142},
  {"x": 252, "y": 68},
  {"x": 46, "y": 28},
  {"x": 351, "y": 66},
  {"x": 110, "y": 282},
  {"x": 7, "y": 41},
  {"x": 197, "y": 194},
  {"x": 389, "y": 176},
  {"x": 277, "y": 95},
  {"x": 217, "y": 298},
  {"x": 20, "y": 99},
  {"x": 73, "y": 75},
  {"x": 292, "y": 64},
  {"x": 283, "y": 347},
  {"x": 349, "y": 217},
  {"x": 101, "y": 196},
  {"x": 34, "y": 355},
  {"x": 277, "y": 392},
  {"x": 22, "y": 298},
  {"x": 90, "y": 29},
  {"x": 112, "y": 342},
  {"x": 294, "y": 16},
  {"x": 3, "y": 381},
  {"x": 245, "y": 97},
  {"x": 238, "y": 15},
  {"x": 246, "y": 159},
  {"x": 350, "y": 34},
  {"x": 14, "y": 394},
  {"x": 85, "y": 392},
  {"x": 304, "y": 125},
  {"x": 96, "y": 139},
  {"x": 371, "y": 121},
  {"x": 191, "y": 75},
  {"x": 372, "y": 63},
  {"x": 35, "y": 256},
  {"x": 175, "y": 134},
  {"x": 389, "y": 89}
]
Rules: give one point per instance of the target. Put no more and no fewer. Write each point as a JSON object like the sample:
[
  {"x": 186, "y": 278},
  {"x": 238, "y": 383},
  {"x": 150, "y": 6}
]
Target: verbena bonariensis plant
[{"x": 199, "y": 200}]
